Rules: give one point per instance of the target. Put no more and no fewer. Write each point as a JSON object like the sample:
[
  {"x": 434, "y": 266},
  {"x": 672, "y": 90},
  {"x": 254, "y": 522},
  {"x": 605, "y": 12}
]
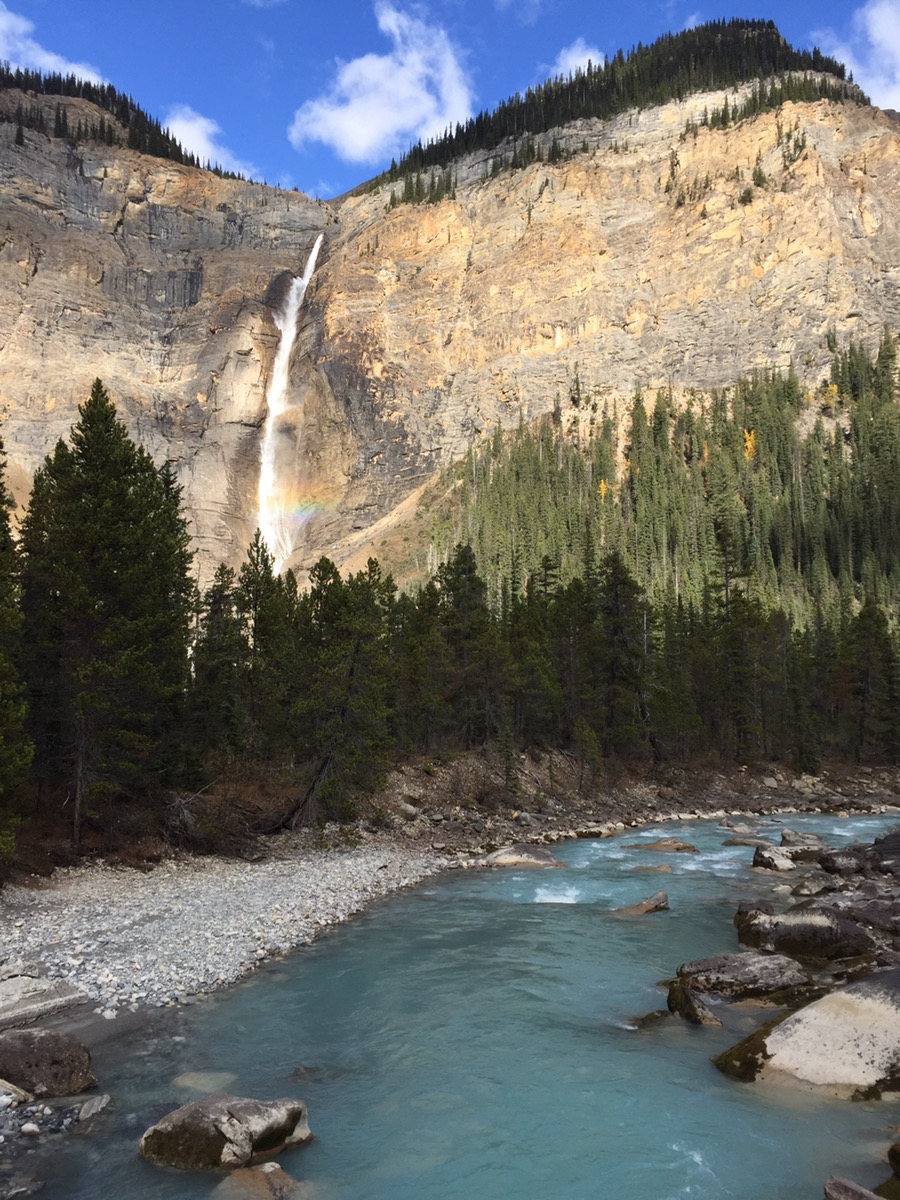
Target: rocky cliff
[{"x": 654, "y": 253}]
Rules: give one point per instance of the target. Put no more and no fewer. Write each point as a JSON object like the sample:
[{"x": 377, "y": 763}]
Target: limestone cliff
[{"x": 647, "y": 257}]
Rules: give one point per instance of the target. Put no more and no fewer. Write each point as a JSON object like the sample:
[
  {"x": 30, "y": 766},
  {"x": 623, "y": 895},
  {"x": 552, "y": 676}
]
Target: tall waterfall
[{"x": 277, "y": 474}]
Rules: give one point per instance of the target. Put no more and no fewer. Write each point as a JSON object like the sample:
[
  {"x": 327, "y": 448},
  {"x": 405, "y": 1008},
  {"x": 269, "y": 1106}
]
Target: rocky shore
[
  {"x": 115, "y": 940},
  {"x": 121, "y": 938}
]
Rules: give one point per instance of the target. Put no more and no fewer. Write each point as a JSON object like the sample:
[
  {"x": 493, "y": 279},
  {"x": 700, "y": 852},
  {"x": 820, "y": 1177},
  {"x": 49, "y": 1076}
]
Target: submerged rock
[
  {"x": 670, "y": 845},
  {"x": 658, "y": 902},
  {"x": 45, "y": 1062},
  {"x": 847, "y": 1043},
  {"x": 225, "y": 1131},
  {"x": 684, "y": 1001},
  {"x": 265, "y": 1182},
  {"x": 845, "y": 1189}
]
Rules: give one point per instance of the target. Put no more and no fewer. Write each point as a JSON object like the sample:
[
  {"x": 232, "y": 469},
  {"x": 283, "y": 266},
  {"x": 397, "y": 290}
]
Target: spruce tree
[
  {"x": 108, "y": 596},
  {"x": 15, "y": 746}
]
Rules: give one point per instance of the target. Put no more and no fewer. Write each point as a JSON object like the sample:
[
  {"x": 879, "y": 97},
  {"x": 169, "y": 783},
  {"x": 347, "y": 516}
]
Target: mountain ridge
[{"x": 631, "y": 260}]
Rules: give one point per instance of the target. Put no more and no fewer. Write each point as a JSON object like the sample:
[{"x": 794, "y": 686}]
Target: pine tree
[
  {"x": 15, "y": 747},
  {"x": 107, "y": 593}
]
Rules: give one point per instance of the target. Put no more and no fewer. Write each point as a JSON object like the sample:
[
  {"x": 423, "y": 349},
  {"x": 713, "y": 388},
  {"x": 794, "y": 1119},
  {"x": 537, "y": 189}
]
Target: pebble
[{"x": 193, "y": 925}]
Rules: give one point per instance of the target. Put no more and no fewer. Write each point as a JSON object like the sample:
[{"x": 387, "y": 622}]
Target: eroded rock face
[
  {"x": 225, "y": 1131},
  {"x": 44, "y": 1062},
  {"x": 425, "y": 326}
]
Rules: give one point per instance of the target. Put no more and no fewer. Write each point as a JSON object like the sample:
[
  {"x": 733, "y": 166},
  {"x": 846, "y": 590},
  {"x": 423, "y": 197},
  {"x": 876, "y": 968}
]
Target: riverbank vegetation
[{"x": 717, "y": 586}]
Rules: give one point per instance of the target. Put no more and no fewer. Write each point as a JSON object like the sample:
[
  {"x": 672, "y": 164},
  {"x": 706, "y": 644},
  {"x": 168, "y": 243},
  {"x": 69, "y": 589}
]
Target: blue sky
[{"x": 321, "y": 95}]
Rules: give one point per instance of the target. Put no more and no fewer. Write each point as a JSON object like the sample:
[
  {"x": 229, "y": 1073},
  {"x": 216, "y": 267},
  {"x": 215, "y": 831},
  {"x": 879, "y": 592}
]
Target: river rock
[
  {"x": 225, "y": 1131},
  {"x": 803, "y": 933},
  {"x": 658, "y": 902},
  {"x": 847, "y": 1043},
  {"x": 686, "y": 1003},
  {"x": 268, "y": 1181},
  {"x": 740, "y": 976},
  {"x": 670, "y": 845},
  {"x": 844, "y": 1189},
  {"x": 45, "y": 1062},
  {"x": 522, "y": 855},
  {"x": 771, "y": 858}
]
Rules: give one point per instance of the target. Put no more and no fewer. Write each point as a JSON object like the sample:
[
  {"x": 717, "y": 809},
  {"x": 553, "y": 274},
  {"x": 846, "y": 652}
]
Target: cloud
[
  {"x": 199, "y": 135},
  {"x": 19, "y": 49},
  {"x": 264, "y": 3},
  {"x": 872, "y": 51},
  {"x": 578, "y": 54},
  {"x": 379, "y": 103},
  {"x": 693, "y": 20},
  {"x": 526, "y": 11}
]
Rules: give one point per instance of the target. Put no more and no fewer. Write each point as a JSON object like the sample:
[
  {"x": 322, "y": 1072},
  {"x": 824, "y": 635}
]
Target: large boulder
[
  {"x": 45, "y": 1062},
  {"x": 225, "y": 1131},
  {"x": 522, "y": 855},
  {"x": 742, "y": 976},
  {"x": 816, "y": 933},
  {"x": 847, "y": 1043},
  {"x": 772, "y": 858}
]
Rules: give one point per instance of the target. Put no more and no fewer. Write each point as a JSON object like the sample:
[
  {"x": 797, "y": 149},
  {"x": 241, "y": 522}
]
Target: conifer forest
[{"x": 711, "y": 580}]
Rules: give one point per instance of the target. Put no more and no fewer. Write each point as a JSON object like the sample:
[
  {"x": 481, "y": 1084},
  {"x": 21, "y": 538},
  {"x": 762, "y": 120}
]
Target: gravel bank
[{"x": 131, "y": 938}]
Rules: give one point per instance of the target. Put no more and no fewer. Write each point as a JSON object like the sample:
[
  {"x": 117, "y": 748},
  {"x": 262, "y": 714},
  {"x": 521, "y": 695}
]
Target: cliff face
[{"x": 646, "y": 258}]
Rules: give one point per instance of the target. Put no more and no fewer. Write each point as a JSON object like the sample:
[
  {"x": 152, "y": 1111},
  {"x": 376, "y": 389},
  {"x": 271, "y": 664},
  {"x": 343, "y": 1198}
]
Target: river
[{"x": 476, "y": 1038}]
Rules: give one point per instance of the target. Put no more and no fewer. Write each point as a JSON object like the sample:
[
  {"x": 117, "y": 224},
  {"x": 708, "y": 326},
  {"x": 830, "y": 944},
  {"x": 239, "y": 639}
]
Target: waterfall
[{"x": 277, "y": 471}]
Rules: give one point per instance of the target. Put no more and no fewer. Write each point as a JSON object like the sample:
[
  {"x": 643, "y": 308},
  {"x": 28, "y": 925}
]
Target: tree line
[
  {"x": 718, "y": 588},
  {"x": 716, "y": 54},
  {"x": 128, "y": 124}
]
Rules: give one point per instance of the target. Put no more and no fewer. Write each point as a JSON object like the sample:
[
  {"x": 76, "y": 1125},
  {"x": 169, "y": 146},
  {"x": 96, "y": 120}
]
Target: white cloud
[
  {"x": 693, "y": 20},
  {"x": 19, "y": 49},
  {"x": 379, "y": 103},
  {"x": 199, "y": 135},
  {"x": 872, "y": 51},
  {"x": 263, "y": 3},
  {"x": 578, "y": 54}
]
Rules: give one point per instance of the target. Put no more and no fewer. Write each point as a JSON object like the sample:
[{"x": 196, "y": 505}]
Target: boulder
[
  {"x": 844, "y": 1189},
  {"x": 225, "y": 1131},
  {"x": 805, "y": 933},
  {"x": 265, "y": 1182},
  {"x": 658, "y": 902},
  {"x": 44, "y": 1062},
  {"x": 522, "y": 855},
  {"x": 847, "y": 1043},
  {"x": 771, "y": 858},
  {"x": 685, "y": 1002},
  {"x": 802, "y": 847},
  {"x": 740, "y": 976},
  {"x": 669, "y": 845}
]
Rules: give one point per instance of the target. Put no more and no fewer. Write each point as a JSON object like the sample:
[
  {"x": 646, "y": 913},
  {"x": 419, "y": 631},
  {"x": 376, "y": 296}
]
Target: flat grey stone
[{"x": 24, "y": 998}]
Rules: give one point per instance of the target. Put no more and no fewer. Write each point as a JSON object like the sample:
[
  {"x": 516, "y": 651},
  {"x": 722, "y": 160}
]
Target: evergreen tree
[
  {"x": 107, "y": 592},
  {"x": 15, "y": 747}
]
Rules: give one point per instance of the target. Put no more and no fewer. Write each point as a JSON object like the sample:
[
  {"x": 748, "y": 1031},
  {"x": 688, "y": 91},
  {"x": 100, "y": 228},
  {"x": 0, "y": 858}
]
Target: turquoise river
[{"x": 475, "y": 1038}]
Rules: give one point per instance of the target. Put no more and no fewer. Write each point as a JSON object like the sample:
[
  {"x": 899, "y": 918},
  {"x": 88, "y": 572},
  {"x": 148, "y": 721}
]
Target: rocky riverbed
[{"x": 128, "y": 938}]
